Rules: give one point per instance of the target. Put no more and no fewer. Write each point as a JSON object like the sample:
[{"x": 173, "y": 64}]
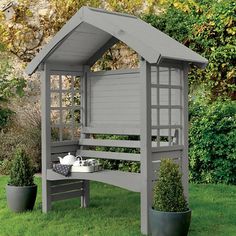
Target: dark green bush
[
  {"x": 212, "y": 142},
  {"x": 5, "y": 115},
  {"x": 168, "y": 191},
  {"x": 21, "y": 173},
  {"x": 208, "y": 28}
]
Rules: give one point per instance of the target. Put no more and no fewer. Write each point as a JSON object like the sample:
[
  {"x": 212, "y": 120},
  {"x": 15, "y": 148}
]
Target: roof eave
[{"x": 65, "y": 32}]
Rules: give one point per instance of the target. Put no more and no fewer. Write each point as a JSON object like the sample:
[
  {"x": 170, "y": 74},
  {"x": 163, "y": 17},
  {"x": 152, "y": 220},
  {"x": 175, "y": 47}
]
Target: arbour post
[
  {"x": 46, "y": 136},
  {"x": 85, "y": 198},
  {"x": 145, "y": 143},
  {"x": 184, "y": 163}
]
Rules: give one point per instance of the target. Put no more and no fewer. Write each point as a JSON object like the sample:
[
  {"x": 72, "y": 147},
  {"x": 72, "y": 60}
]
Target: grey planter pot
[
  {"x": 21, "y": 199},
  {"x": 169, "y": 223}
]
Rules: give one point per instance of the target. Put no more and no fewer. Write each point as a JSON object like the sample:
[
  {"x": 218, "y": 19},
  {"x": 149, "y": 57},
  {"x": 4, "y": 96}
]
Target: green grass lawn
[{"x": 114, "y": 211}]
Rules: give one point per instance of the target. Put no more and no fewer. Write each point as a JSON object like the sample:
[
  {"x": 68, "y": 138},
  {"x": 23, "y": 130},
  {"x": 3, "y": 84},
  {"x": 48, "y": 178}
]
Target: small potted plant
[
  {"x": 21, "y": 190},
  {"x": 170, "y": 215}
]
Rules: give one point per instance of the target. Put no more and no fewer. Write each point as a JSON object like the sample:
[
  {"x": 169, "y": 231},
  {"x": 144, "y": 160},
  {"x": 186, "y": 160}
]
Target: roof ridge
[{"x": 111, "y": 12}]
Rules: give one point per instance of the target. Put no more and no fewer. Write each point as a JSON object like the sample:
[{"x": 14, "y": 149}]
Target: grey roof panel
[{"x": 90, "y": 28}]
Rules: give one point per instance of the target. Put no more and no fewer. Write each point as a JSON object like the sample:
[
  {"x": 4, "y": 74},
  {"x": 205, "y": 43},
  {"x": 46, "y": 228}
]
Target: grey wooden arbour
[{"x": 149, "y": 102}]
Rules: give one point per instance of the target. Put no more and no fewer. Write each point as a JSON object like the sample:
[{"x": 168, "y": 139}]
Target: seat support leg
[{"x": 85, "y": 198}]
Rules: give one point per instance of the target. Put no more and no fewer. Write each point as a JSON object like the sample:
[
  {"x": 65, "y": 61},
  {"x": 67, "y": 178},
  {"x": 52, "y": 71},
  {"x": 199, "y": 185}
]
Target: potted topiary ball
[
  {"x": 21, "y": 190},
  {"x": 170, "y": 215}
]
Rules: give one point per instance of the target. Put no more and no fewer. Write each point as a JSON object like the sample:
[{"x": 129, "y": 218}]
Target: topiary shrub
[
  {"x": 168, "y": 191},
  {"x": 21, "y": 173}
]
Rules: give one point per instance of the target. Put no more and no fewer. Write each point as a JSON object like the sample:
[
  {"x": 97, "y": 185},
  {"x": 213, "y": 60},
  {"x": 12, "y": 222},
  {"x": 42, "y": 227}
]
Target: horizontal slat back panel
[
  {"x": 66, "y": 195},
  {"x": 106, "y": 129},
  {"x": 115, "y": 97},
  {"x": 175, "y": 156},
  {"x": 63, "y": 182},
  {"x": 54, "y": 157},
  {"x": 62, "y": 147},
  {"x": 166, "y": 155},
  {"x": 109, "y": 143},
  {"x": 66, "y": 187},
  {"x": 109, "y": 155}
]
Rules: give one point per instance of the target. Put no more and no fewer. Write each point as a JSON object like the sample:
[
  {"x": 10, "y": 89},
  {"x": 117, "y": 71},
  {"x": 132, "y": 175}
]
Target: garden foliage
[
  {"x": 22, "y": 173},
  {"x": 10, "y": 87},
  {"x": 168, "y": 193},
  {"x": 212, "y": 142},
  {"x": 207, "y": 27}
]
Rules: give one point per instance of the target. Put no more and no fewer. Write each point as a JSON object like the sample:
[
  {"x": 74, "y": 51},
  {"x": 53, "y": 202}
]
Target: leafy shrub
[
  {"x": 21, "y": 171},
  {"x": 212, "y": 142},
  {"x": 24, "y": 130},
  {"x": 5, "y": 115},
  {"x": 168, "y": 191},
  {"x": 5, "y": 167},
  {"x": 208, "y": 28}
]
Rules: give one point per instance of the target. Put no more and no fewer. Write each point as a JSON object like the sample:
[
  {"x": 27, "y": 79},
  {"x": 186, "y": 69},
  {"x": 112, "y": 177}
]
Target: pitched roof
[{"x": 91, "y": 31}]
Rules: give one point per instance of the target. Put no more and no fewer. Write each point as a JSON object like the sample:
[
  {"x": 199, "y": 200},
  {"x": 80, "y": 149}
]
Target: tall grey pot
[
  {"x": 169, "y": 223},
  {"x": 20, "y": 198}
]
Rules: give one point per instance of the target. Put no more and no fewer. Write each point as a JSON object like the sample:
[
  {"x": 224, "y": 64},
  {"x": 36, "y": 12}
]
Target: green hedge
[{"x": 212, "y": 142}]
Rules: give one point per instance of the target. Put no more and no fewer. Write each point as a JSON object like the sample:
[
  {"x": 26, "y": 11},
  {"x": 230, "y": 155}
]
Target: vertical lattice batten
[
  {"x": 46, "y": 137},
  {"x": 169, "y": 105},
  {"x": 184, "y": 162},
  {"x": 145, "y": 143},
  {"x": 60, "y": 105},
  {"x": 85, "y": 198},
  {"x": 158, "y": 109},
  {"x": 182, "y": 107},
  {"x": 73, "y": 107}
]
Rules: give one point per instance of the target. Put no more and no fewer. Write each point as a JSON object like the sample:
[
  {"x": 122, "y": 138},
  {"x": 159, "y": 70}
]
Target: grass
[{"x": 114, "y": 211}]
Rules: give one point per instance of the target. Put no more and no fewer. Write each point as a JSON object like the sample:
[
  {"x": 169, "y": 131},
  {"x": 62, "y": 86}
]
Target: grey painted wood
[
  {"x": 109, "y": 155},
  {"x": 108, "y": 129},
  {"x": 114, "y": 99},
  {"x": 66, "y": 187},
  {"x": 85, "y": 199},
  {"x": 85, "y": 116},
  {"x": 169, "y": 148},
  {"x": 66, "y": 195},
  {"x": 154, "y": 48},
  {"x": 46, "y": 137},
  {"x": 109, "y": 143},
  {"x": 64, "y": 149},
  {"x": 185, "y": 164},
  {"x": 99, "y": 53},
  {"x": 146, "y": 145},
  {"x": 55, "y": 183},
  {"x": 126, "y": 180},
  {"x": 167, "y": 155}
]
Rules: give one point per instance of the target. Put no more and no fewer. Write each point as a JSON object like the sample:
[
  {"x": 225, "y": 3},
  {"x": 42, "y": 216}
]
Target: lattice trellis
[
  {"x": 65, "y": 107},
  {"x": 167, "y": 106}
]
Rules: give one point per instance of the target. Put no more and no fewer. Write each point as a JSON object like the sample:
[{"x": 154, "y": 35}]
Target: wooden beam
[
  {"x": 122, "y": 179},
  {"x": 184, "y": 137},
  {"x": 146, "y": 144},
  {"x": 110, "y": 155},
  {"x": 117, "y": 129},
  {"x": 99, "y": 53},
  {"x": 66, "y": 195},
  {"x": 109, "y": 143},
  {"x": 46, "y": 137}
]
